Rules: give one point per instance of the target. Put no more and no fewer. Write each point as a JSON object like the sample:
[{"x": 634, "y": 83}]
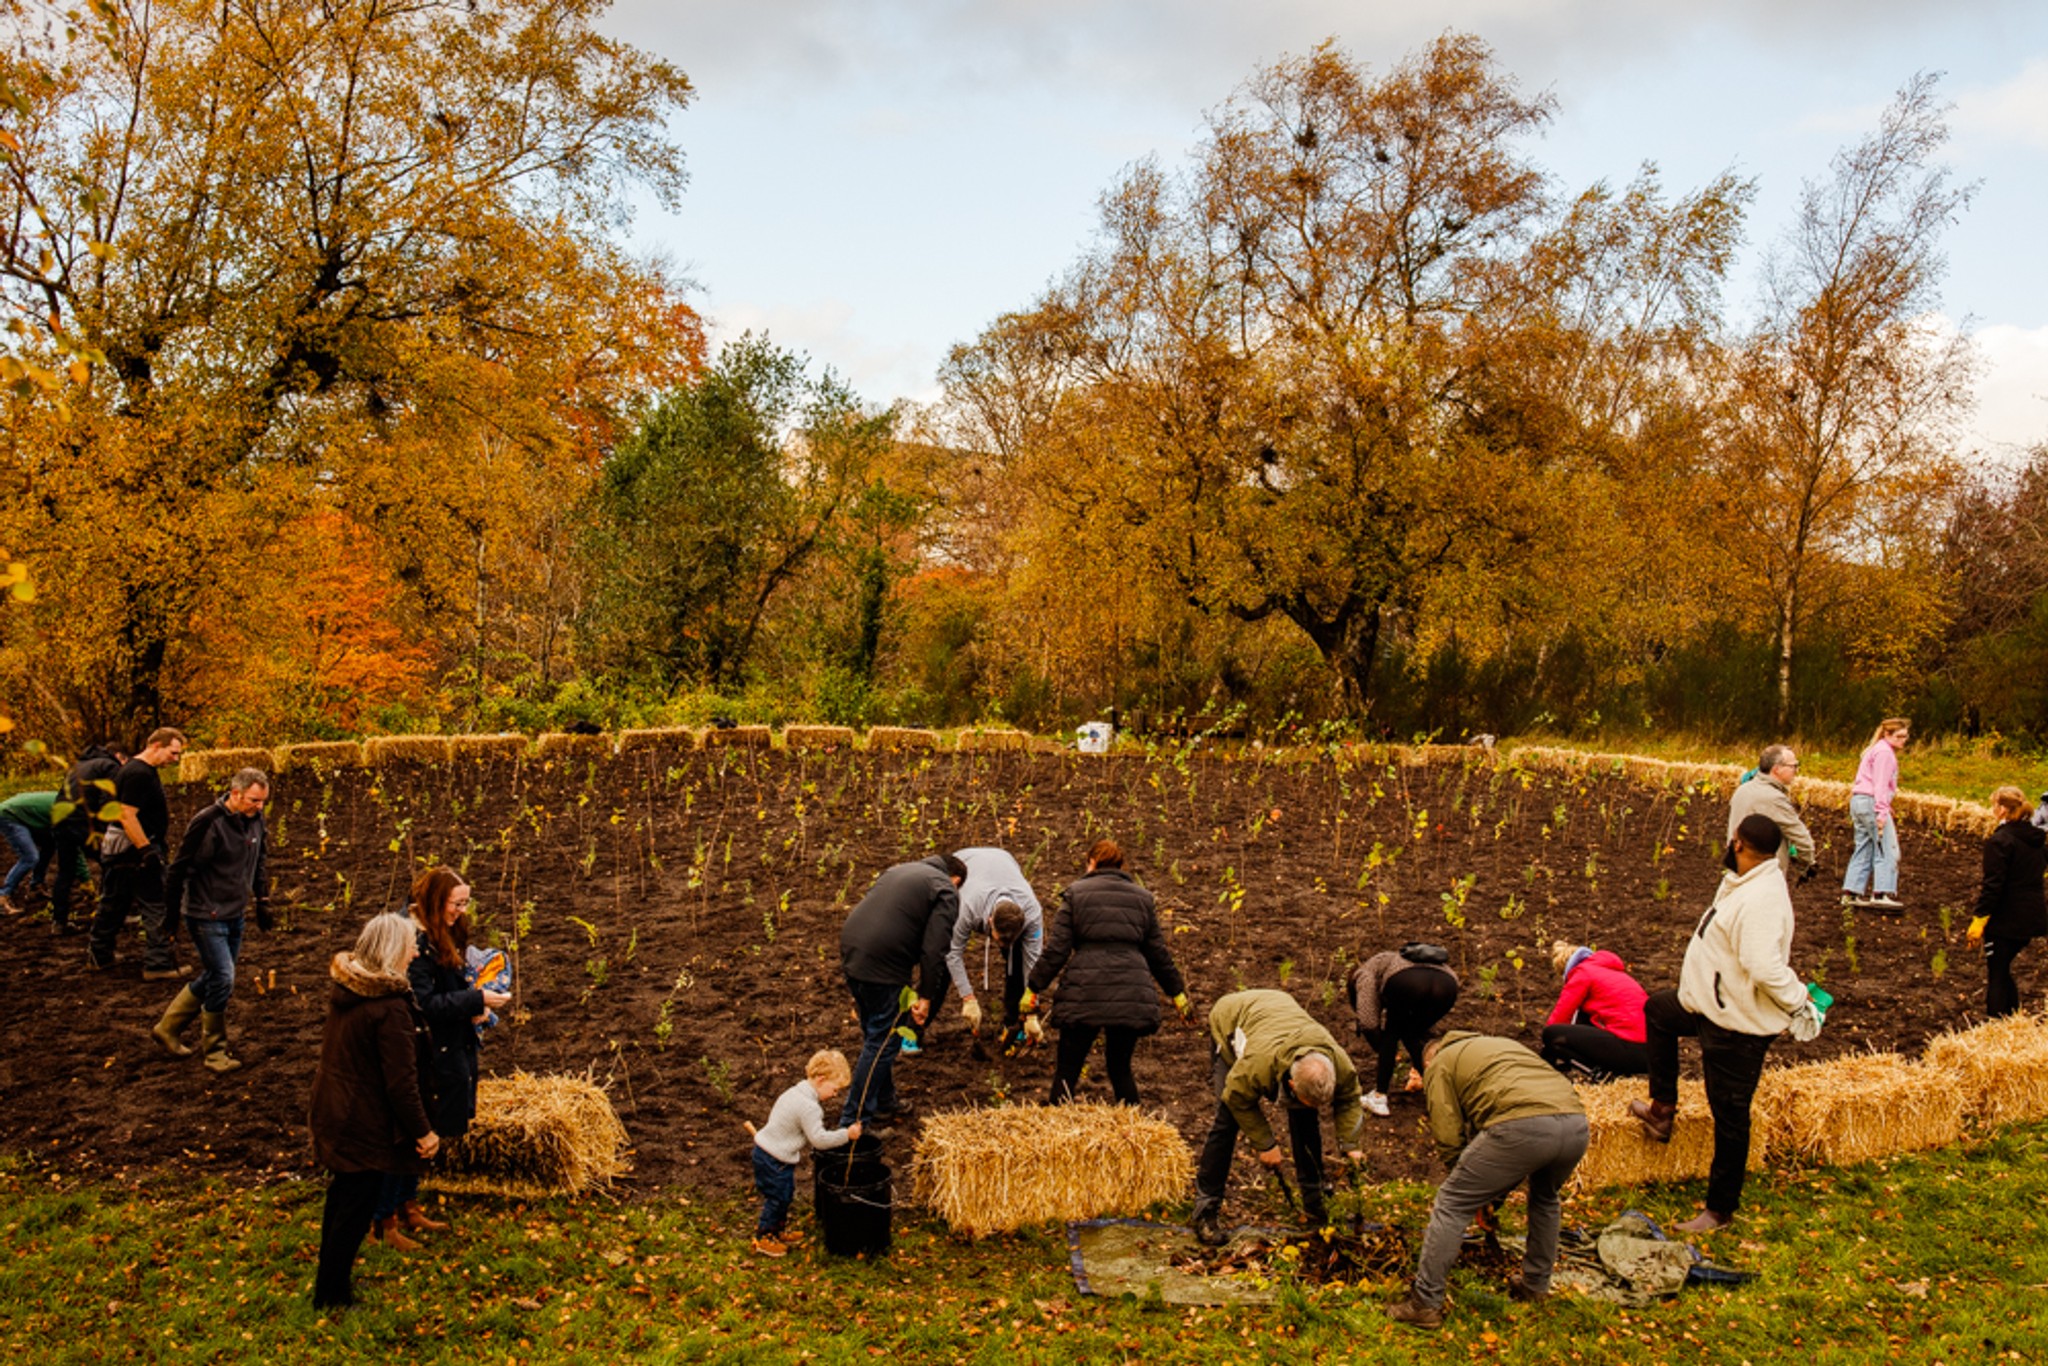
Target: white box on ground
[{"x": 1093, "y": 737}]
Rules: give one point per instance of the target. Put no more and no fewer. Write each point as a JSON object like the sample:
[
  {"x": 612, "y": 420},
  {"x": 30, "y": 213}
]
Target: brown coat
[{"x": 367, "y": 1110}]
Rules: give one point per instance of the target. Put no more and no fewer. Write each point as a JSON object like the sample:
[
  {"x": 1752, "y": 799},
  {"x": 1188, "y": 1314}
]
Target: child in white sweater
[{"x": 797, "y": 1122}]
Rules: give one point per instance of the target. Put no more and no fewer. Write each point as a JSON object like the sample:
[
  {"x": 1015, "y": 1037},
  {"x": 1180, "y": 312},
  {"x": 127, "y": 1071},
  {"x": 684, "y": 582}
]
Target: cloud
[
  {"x": 833, "y": 334},
  {"x": 2015, "y": 110},
  {"x": 2012, "y": 390}
]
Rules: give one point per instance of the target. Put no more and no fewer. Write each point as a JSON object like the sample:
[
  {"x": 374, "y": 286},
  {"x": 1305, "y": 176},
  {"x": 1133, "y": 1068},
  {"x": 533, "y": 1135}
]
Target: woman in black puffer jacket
[
  {"x": 1107, "y": 951},
  {"x": 453, "y": 1007},
  {"x": 2011, "y": 911}
]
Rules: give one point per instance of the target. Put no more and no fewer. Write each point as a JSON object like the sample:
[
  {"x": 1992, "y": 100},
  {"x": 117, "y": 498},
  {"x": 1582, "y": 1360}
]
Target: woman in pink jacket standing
[
  {"x": 1596, "y": 1029},
  {"x": 1873, "y": 876}
]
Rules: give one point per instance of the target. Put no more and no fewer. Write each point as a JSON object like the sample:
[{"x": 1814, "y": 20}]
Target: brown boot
[
  {"x": 414, "y": 1218},
  {"x": 387, "y": 1232},
  {"x": 1656, "y": 1117}
]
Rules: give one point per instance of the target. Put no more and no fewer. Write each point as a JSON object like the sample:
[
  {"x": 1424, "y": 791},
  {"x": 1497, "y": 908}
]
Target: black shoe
[
  {"x": 1208, "y": 1230},
  {"x": 897, "y": 1113},
  {"x": 63, "y": 929},
  {"x": 95, "y": 962}
]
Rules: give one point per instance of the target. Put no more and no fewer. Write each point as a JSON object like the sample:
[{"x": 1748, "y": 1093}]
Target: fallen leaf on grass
[{"x": 1917, "y": 1289}]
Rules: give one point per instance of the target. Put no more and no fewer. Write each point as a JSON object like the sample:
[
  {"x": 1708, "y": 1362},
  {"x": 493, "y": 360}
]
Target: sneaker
[
  {"x": 1886, "y": 903},
  {"x": 1377, "y": 1103},
  {"x": 768, "y": 1245},
  {"x": 791, "y": 1237},
  {"x": 1410, "y": 1310},
  {"x": 910, "y": 1049}
]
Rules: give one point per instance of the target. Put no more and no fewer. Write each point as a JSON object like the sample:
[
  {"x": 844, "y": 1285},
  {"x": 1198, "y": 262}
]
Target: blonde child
[{"x": 797, "y": 1122}]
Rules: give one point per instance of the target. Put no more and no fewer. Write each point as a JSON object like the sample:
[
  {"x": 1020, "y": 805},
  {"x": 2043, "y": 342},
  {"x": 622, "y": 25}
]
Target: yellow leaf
[
  {"x": 80, "y": 372},
  {"x": 9, "y": 141}
]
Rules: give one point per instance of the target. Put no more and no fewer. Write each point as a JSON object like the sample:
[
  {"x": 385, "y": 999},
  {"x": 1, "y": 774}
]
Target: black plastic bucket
[{"x": 856, "y": 1200}]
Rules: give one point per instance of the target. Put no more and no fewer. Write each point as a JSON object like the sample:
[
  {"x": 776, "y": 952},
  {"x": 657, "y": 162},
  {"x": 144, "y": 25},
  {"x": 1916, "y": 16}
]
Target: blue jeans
[
  {"x": 396, "y": 1190},
  {"x": 880, "y": 1043},
  {"x": 218, "y": 944},
  {"x": 776, "y": 1180},
  {"x": 1874, "y": 862},
  {"x": 29, "y": 856}
]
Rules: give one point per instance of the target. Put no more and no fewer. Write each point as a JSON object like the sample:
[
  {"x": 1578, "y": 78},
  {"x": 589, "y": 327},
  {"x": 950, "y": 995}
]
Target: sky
[{"x": 873, "y": 184}]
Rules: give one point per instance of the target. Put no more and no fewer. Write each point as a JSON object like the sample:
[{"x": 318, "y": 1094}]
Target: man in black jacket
[
  {"x": 220, "y": 871},
  {"x": 903, "y": 925},
  {"x": 75, "y": 825},
  {"x": 132, "y": 860}
]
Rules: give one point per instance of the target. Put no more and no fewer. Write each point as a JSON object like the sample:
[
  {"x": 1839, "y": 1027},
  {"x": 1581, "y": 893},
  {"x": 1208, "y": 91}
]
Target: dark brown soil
[{"x": 678, "y": 917}]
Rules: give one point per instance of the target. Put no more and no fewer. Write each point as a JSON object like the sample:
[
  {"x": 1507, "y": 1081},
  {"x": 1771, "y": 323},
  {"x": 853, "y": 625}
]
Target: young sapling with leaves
[{"x": 796, "y": 1123}]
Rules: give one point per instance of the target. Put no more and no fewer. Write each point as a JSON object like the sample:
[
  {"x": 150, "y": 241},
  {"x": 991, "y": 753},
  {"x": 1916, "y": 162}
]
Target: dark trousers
[
  {"x": 399, "y": 1189},
  {"x": 68, "y": 840},
  {"x": 2001, "y": 992},
  {"x": 1733, "y": 1064},
  {"x": 1590, "y": 1051},
  {"x": 344, "y": 1223},
  {"x": 1076, "y": 1042},
  {"x": 775, "y": 1180},
  {"x": 1414, "y": 999},
  {"x": 1304, "y": 1134},
  {"x": 127, "y": 882},
  {"x": 874, "y": 1077}
]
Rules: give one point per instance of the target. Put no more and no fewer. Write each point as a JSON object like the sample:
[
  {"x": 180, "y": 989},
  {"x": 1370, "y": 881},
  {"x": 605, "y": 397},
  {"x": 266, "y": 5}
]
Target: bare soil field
[{"x": 676, "y": 922}]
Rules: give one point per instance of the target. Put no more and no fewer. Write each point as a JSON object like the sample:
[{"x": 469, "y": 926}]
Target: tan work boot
[
  {"x": 213, "y": 1038},
  {"x": 1656, "y": 1117},
  {"x": 387, "y": 1232},
  {"x": 184, "y": 1009},
  {"x": 415, "y": 1219}
]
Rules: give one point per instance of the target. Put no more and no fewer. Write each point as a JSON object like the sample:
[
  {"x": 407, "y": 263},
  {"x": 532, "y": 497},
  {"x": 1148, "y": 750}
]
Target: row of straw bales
[
  {"x": 1851, "y": 1109},
  {"x": 1915, "y": 808}
]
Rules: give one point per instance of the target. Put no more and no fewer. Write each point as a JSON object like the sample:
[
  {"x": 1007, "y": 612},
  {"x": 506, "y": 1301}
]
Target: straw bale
[
  {"x": 319, "y": 754},
  {"x": 994, "y": 1170},
  {"x": 1620, "y": 1155},
  {"x": 901, "y": 737},
  {"x": 664, "y": 739},
  {"x": 819, "y": 737},
  {"x": 559, "y": 744},
  {"x": 504, "y": 745},
  {"x": 536, "y": 1136},
  {"x": 384, "y": 750},
  {"x": 1852, "y": 1109},
  {"x": 990, "y": 741},
  {"x": 2001, "y": 1066},
  {"x": 1973, "y": 818},
  {"x": 739, "y": 737},
  {"x": 199, "y": 765}
]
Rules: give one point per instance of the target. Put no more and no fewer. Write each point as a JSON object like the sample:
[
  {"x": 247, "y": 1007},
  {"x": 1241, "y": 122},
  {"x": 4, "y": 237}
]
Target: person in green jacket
[
  {"x": 1500, "y": 1116},
  {"x": 25, "y": 829},
  {"x": 1264, "y": 1046}
]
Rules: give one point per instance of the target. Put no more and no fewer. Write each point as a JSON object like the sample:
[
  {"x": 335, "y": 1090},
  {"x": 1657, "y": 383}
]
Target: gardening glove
[
  {"x": 1184, "y": 1006},
  {"x": 970, "y": 1011},
  {"x": 1976, "y": 932},
  {"x": 1028, "y": 1003},
  {"x": 1034, "y": 1029},
  {"x": 1805, "y": 1026},
  {"x": 1270, "y": 1157},
  {"x": 264, "y": 920}
]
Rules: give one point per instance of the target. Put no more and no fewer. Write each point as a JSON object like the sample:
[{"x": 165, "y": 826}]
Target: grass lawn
[
  {"x": 1946, "y": 766},
  {"x": 1938, "y": 1258}
]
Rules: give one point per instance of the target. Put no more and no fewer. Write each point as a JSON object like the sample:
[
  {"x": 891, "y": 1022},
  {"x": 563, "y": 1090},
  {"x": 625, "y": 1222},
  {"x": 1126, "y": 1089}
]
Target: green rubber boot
[
  {"x": 184, "y": 1008},
  {"x": 213, "y": 1037}
]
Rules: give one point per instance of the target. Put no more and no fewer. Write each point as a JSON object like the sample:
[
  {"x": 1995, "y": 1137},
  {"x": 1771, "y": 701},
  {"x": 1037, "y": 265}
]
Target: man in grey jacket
[
  {"x": 1769, "y": 793},
  {"x": 221, "y": 870},
  {"x": 1016, "y": 935}
]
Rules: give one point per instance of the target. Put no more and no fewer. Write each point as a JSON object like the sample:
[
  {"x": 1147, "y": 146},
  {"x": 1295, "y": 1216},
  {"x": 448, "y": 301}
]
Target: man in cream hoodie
[{"x": 1736, "y": 993}]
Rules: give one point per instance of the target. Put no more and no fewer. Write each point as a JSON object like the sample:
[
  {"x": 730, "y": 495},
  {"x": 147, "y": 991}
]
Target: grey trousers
[{"x": 1542, "y": 1150}]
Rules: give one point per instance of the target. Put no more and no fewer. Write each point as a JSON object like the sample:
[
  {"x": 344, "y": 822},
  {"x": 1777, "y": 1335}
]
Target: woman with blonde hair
[
  {"x": 1872, "y": 878},
  {"x": 367, "y": 1116},
  {"x": 1596, "y": 1030},
  {"x": 2011, "y": 909}
]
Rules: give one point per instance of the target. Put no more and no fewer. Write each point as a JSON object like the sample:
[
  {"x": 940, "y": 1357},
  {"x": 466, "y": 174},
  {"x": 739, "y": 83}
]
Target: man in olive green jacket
[
  {"x": 1266, "y": 1047},
  {"x": 1500, "y": 1116}
]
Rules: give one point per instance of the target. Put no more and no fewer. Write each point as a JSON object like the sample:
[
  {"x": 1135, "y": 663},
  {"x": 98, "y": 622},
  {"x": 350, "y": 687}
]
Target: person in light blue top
[{"x": 996, "y": 901}]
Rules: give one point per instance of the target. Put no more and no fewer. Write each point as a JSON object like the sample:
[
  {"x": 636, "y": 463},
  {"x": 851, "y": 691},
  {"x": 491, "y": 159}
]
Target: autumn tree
[
  {"x": 338, "y": 253},
  {"x": 1841, "y": 409}
]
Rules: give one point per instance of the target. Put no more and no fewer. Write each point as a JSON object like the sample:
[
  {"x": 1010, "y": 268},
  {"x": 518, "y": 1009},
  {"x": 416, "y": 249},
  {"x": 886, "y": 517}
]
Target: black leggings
[
  {"x": 1414, "y": 1000},
  {"x": 1076, "y": 1042},
  {"x": 2001, "y": 992},
  {"x": 344, "y": 1222},
  {"x": 1593, "y": 1052}
]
